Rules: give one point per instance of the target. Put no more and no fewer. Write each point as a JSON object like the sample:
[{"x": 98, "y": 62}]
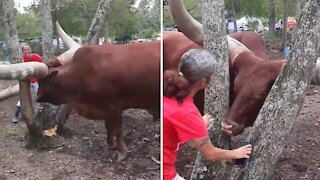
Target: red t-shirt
[
  {"x": 34, "y": 58},
  {"x": 181, "y": 123}
]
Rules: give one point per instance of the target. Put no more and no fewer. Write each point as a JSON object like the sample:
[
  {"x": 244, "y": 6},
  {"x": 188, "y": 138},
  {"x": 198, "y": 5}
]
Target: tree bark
[
  {"x": 299, "y": 7},
  {"x": 217, "y": 94},
  {"x": 233, "y": 12},
  {"x": 46, "y": 115},
  {"x": 97, "y": 24},
  {"x": 285, "y": 99},
  {"x": 47, "y": 30},
  {"x": 272, "y": 20},
  {"x": 8, "y": 19},
  {"x": 285, "y": 24}
]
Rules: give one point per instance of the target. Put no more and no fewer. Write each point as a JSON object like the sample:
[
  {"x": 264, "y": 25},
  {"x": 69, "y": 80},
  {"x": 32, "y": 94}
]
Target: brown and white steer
[
  {"x": 99, "y": 81},
  {"x": 251, "y": 73}
]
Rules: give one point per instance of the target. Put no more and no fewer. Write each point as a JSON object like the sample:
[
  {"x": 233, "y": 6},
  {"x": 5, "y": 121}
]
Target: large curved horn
[
  {"x": 185, "y": 22},
  {"x": 235, "y": 47},
  {"x": 22, "y": 71},
  {"x": 67, "y": 40},
  {"x": 194, "y": 30}
]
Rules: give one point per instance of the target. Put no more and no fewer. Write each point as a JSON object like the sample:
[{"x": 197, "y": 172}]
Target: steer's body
[
  {"x": 251, "y": 75},
  {"x": 103, "y": 80}
]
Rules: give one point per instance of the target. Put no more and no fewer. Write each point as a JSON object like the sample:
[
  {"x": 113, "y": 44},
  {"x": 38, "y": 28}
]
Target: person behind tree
[
  {"x": 182, "y": 121},
  {"x": 28, "y": 56}
]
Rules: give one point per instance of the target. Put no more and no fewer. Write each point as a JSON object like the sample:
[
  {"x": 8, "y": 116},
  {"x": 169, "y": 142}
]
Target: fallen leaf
[{"x": 50, "y": 132}]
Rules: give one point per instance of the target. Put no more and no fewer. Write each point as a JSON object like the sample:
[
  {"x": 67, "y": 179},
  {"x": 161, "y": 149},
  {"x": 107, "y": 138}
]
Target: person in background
[
  {"x": 182, "y": 121},
  {"x": 27, "y": 56}
]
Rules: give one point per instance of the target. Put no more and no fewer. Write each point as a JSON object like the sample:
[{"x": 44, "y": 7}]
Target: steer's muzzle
[{"x": 232, "y": 128}]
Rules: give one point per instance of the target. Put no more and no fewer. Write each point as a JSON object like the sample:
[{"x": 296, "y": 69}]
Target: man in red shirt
[
  {"x": 182, "y": 121},
  {"x": 28, "y": 56}
]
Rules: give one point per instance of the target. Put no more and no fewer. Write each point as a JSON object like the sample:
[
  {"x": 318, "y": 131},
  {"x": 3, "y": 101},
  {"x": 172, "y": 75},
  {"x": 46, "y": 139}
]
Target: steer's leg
[
  {"x": 110, "y": 137},
  {"x": 114, "y": 128}
]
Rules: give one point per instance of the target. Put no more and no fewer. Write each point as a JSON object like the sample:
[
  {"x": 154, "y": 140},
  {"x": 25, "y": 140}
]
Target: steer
[
  {"x": 251, "y": 74},
  {"x": 100, "y": 81}
]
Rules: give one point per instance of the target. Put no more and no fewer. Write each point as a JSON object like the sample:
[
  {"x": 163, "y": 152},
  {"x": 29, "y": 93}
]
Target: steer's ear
[
  {"x": 54, "y": 63},
  {"x": 52, "y": 74}
]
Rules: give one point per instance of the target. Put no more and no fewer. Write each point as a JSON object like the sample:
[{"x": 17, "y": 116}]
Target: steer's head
[
  {"x": 250, "y": 91},
  {"x": 50, "y": 86},
  {"x": 48, "y": 74},
  {"x": 194, "y": 31}
]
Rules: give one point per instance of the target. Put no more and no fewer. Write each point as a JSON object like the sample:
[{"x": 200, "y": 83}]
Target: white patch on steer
[{"x": 235, "y": 48}]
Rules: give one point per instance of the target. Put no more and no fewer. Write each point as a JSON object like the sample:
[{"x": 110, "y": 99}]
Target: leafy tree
[
  {"x": 148, "y": 19},
  {"x": 28, "y": 25},
  {"x": 122, "y": 21}
]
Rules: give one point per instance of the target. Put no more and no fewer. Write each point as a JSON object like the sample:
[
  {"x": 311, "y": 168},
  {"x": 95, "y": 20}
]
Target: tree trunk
[
  {"x": 272, "y": 20},
  {"x": 233, "y": 12},
  {"x": 47, "y": 115},
  {"x": 217, "y": 94},
  {"x": 8, "y": 21},
  {"x": 97, "y": 24},
  {"x": 299, "y": 7},
  {"x": 285, "y": 24},
  {"x": 47, "y": 30},
  {"x": 283, "y": 105}
]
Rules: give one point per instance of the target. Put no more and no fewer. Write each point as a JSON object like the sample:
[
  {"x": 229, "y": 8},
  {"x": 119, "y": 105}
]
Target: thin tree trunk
[
  {"x": 283, "y": 105},
  {"x": 8, "y": 21},
  {"x": 233, "y": 12},
  {"x": 217, "y": 94},
  {"x": 47, "y": 115},
  {"x": 272, "y": 20},
  {"x": 47, "y": 30},
  {"x": 285, "y": 24},
  {"x": 299, "y": 7},
  {"x": 97, "y": 24}
]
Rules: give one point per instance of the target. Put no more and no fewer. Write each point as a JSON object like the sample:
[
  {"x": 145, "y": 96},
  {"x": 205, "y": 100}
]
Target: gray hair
[{"x": 197, "y": 64}]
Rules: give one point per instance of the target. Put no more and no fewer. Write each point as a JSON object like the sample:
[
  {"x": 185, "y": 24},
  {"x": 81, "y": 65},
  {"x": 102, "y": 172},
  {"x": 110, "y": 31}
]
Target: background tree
[
  {"x": 47, "y": 29},
  {"x": 8, "y": 21},
  {"x": 98, "y": 22},
  {"x": 285, "y": 23},
  {"x": 79, "y": 13},
  {"x": 233, "y": 12},
  {"x": 122, "y": 23},
  {"x": 272, "y": 20}
]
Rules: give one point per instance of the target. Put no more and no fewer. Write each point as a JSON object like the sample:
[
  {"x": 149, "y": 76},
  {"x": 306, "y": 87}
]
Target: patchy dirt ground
[
  {"x": 300, "y": 159},
  {"x": 83, "y": 152}
]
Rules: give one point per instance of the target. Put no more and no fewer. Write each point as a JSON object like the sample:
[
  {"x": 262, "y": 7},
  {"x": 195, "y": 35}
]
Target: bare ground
[{"x": 82, "y": 153}]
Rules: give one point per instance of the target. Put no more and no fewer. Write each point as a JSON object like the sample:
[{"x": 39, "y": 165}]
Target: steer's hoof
[{"x": 118, "y": 156}]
